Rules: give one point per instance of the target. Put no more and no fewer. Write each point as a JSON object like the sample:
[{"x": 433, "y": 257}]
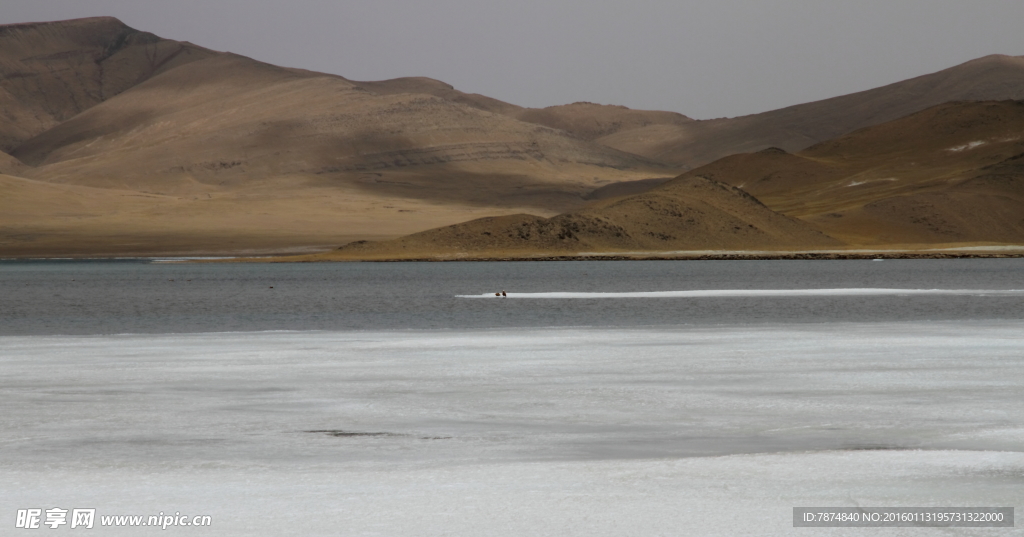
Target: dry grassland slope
[
  {"x": 9, "y": 164},
  {"x": 51, "y": 71},
  {"x": 688, "y": 214},
  {"x": 156, "y": 144},
  {"x": 588, "y": 121},
  {"x": 995, "y": 77},
  {"x": 953, "y": 173},
  {"x": 181, "y": 145},
  {"x": 228, "y": 120}
]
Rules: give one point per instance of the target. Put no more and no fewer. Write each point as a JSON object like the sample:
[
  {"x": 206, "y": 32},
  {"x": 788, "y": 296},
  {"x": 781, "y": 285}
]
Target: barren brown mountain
[
  {"x": 228, "y": 120},
  {"x": 51, "y": 71},
  {"x": 588, "y": 121},
  {"x": 953, "y": 173},
  {"x": 322, "y": 158},
  {"x": 949, "y": 175},
  {"x": 118, "y": 142},
  {"x": 691, "y": 213},
  {"x": 794, "y": 128}
]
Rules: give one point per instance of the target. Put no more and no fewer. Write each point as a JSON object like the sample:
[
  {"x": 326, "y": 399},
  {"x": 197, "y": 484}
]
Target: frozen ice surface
[
  {"x": 722, "y": 293},
  {"x": 728, "y": 495},
  {"x": 702, "y": 431}
]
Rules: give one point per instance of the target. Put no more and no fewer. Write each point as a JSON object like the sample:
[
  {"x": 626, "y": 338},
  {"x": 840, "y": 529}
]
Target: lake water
[
  {"x": 600, "y": 398},
  {"x": 104, "y": 297}
]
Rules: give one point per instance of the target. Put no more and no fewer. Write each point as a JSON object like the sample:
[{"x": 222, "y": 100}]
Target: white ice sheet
[{"x": 705, "y": 431}]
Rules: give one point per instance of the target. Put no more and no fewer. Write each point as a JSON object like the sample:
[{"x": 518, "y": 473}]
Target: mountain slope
[
  {"x": 208, "y": 147},
  {"x": 440, "y": 89},
  {"x": 43, "y": 219},
  {"x": 228, "y": 120},
  {"x": 215, "y": 140},
  {"x": 951, "y": 173},
  {"x": 588, "y": 121},
  {"x": 9, "y": 165},
  {"x": 794, "y": 128},
  {"x": 51, "y": 71}
]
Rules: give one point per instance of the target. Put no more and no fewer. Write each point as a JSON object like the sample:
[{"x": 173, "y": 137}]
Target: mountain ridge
[
  {"x": 196, "y": 143},
  {"x": 949, "y": 173},
  {"x": 52, "y": 71},
  {"x": 793, "y": 128}
]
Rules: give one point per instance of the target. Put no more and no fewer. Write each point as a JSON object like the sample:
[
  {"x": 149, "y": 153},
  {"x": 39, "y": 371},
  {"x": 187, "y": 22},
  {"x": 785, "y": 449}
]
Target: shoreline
[
  {"x": 907, "y": 252},
  {"x": 702, "y": 257},
  {"x": 647, "y": 256},
  {"x": 901, "y": 251}
]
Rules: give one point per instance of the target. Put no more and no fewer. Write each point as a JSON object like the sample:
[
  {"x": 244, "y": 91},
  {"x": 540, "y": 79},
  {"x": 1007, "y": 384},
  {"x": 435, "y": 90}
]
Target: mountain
[
  {"x": 51, "y": 71},
  {"x": 192, "y": 125},
  {"x": 114, "y": 141},
  {"x": 794, "y": 128},
  {"x": 691, "y": 213},
  {"x": 231, "y": 121},
  {"x": 952, "y": 173}
]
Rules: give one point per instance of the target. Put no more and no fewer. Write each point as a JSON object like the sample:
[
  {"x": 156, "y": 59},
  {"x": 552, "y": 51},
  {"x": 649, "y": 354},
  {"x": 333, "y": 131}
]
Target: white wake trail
[{"x": 717, "y": 293}]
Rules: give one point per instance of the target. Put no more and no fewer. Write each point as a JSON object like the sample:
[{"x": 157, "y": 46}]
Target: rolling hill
[
  {"x": 587, "y": 121},
  {"x": 953, "y": 173},
  {"x": 691, "y": 213},
  {"x": 196, "y": 125},
  {"x": 949, "y": 175},
  {"x": 115, "y": 141},
  {"x": 693, "y": 144},
  {"x": 9, "y": 164},
  {"x": 229, "y": 120}
]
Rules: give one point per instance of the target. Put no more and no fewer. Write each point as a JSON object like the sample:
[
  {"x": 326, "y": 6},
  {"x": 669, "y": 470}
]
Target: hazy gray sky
[{"x": 701, "y": 58}]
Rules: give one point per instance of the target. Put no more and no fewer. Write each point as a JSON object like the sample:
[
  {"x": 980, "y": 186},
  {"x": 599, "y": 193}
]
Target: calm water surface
[{"x": 135, "y": 296}]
